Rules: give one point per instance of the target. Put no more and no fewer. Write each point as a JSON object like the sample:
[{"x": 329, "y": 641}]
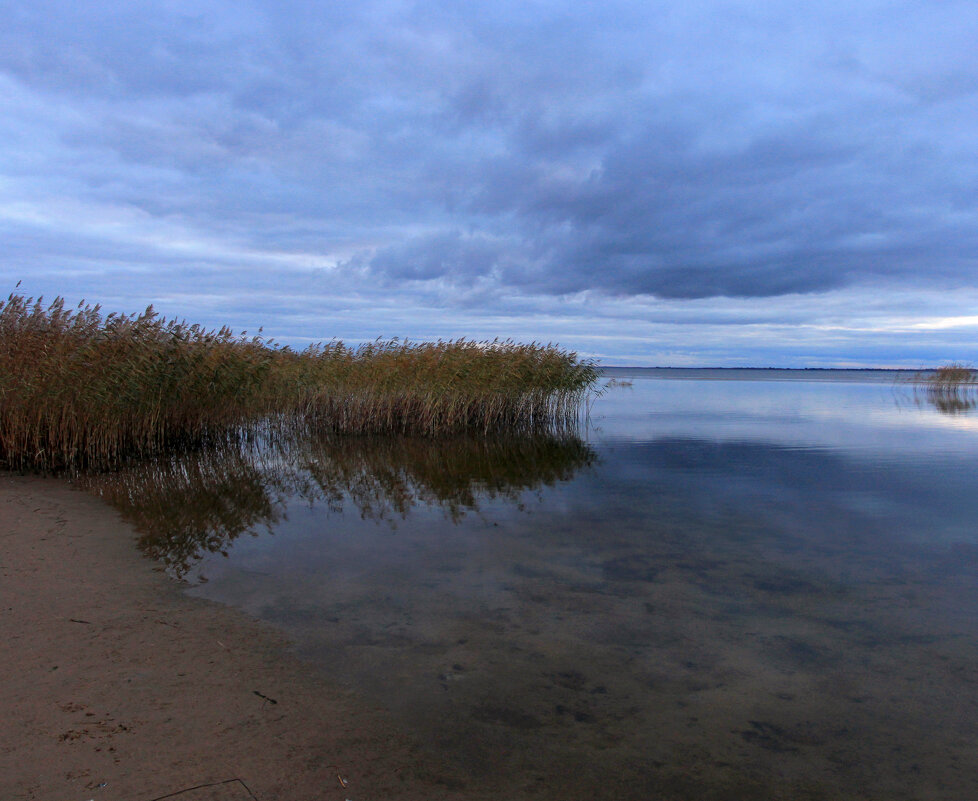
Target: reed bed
[
  {"x": 951, "y": 388},
  {"x": 446, "y": 387},
  {"x": 950, "y": 377},
  {"x": 79, "y": 388}
]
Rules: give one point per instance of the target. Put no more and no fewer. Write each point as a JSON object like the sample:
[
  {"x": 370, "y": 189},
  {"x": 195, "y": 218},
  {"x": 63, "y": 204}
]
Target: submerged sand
[
  {"x": 115, "y": 685},
  {"x": 727, "y": 678}
]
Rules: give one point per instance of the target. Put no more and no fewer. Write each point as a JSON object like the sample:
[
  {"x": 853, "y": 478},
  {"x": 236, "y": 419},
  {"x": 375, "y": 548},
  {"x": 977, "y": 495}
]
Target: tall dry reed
[{"x": 81, "y": 388}]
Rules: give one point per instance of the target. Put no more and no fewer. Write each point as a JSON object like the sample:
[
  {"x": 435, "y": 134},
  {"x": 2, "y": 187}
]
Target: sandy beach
[{"x": 118, "y": 686}]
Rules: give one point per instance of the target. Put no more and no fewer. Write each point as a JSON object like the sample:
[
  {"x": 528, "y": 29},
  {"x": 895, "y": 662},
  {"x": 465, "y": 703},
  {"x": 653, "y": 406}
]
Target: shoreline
[{"x": 118, "y": 686}]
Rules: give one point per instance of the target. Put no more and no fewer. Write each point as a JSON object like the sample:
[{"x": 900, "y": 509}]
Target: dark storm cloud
[
  {"x": 449, "y": 254},
  {"x": 747, "y": 178},
  {"x": 819, "y": 200},
  {"x": 499, "y": 155}
]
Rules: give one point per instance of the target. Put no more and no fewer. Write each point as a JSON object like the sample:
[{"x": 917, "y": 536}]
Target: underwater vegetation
[{"x": 79, "y": 388}]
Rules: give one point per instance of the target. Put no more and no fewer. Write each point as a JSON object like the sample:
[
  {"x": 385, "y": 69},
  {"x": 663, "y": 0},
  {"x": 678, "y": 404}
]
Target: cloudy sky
[{"x": 681, "y": 182}]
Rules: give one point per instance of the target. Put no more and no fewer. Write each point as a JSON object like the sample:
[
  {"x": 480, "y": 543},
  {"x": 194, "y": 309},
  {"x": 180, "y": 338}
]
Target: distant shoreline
[
  {"x": 781, "y": 369},
  {"x": 875, "y": 375}
]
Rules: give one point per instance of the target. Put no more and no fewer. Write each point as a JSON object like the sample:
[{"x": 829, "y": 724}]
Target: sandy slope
[{"x": 115, "y": 685}]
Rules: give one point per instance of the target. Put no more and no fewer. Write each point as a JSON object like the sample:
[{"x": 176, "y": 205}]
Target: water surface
[{"x": 745, "y": 586}]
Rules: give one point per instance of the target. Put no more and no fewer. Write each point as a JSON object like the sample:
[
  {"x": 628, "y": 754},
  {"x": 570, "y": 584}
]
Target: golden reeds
[
  {"x": 951, "y": 388},
  {"x": 81, "y": 388},
  {"x": 950, "y": 377}
]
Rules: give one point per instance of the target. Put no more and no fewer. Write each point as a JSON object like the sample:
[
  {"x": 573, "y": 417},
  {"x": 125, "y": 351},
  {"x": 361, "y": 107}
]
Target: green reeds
[{"x": 79, "y": 388}]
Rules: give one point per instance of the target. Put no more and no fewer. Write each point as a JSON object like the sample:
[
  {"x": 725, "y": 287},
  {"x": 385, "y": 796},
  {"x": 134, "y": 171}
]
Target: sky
[{"x": 658, "y": 182}]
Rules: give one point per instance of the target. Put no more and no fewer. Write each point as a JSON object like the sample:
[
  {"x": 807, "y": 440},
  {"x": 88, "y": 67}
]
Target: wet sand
[{"x": 118, "y": 686}]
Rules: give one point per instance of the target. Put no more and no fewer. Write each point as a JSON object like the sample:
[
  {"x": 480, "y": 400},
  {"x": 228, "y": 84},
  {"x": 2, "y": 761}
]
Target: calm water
[{"x": 729, "y": 587}]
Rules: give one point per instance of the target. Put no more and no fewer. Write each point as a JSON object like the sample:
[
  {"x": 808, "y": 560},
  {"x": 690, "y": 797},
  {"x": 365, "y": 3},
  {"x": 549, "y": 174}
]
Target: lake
[{"x": 728, "y": 584}]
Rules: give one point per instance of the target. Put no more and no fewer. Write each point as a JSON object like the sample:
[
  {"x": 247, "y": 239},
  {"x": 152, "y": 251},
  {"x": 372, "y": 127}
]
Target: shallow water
[{"x": 729, "y": 588}]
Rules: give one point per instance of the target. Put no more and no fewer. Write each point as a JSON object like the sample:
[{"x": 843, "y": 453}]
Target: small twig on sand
[
  {"x": 343, "y": 782},
  {"x": 211, "y": 784}
]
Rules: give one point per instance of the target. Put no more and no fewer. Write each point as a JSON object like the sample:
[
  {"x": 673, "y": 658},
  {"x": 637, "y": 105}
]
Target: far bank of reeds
[
  {"x": 951, "y": 388},
  {"x": 82, "y": 388}
]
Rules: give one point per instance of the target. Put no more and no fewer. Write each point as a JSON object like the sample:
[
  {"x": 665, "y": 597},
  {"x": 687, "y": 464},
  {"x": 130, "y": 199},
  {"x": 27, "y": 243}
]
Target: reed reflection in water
[
  {"x": 951, "y": 390},
  {"x": 949, "y": 400},
  {"x": 200, "y": 501}
]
